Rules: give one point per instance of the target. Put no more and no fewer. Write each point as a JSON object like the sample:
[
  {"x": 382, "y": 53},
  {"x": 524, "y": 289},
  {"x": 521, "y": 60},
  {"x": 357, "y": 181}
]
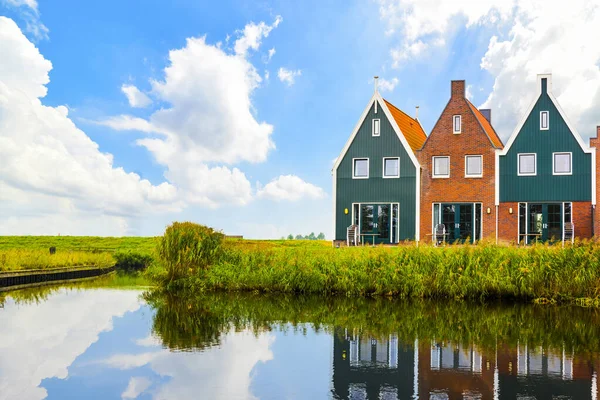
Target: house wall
[
  {"x": 376, "y": 189},
  {"x": 443, "y": 142},
  {"x": 595, "y": 143},
  {"x": 545, "y": 187}
]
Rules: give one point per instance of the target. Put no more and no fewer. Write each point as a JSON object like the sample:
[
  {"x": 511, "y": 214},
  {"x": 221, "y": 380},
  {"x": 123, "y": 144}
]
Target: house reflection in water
[{"x": 369, "y": 368}]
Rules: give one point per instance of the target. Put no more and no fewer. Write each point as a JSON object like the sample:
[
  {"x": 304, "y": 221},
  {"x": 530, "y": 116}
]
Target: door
[
  {"x": 375, "y": 223},
  {"x": 545, "y": 222},
  {"x": 458, "y": 219}
]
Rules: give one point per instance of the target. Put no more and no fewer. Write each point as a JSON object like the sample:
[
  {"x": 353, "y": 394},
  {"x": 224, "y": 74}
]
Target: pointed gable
[
  {"x": 410, "y": 127},
  {"x": 487, "y": 127}
]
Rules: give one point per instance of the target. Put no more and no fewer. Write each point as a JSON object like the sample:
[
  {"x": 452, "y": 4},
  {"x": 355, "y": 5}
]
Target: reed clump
[
  {"x": 482, "y": 271},
  {"x": 184, "y": 250}
]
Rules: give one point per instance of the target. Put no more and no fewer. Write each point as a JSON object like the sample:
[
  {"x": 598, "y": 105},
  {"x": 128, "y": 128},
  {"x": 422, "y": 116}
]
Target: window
[
  {"x": 526, "y": 164},
  {"x": 376, "y": 131},
  {"x": 473, "y": 166},
  {"x": 457, "y": 124},
  {"x": 391, "y": 167},
  {"x": 360, "y": 168},
  {"x": 544, "y": 123},
  {"x": 441, "y": 167},
  {"x": 561, "y": 164}
]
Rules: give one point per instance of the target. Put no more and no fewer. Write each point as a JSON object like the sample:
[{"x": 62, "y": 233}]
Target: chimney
[
  {"x": 376, "y": 82},
  {"x": 458, "y": 89},
  {"x": 487, "y": 113},
  {"x": 417, "y": 112},
  {"x": 545, "y": 83}
]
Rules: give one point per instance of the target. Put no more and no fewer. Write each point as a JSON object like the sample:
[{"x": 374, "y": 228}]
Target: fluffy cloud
[
  {"x": 41, "y": 340},
  {"x": 135, "y": 97},
  {"x": 251, "y": 36},
  {"x": 387, "y": 86},
  {"x": 31, "y": 15},
  {"x": 526, "y": 38},
  {"x": 288, "y": 76},
  {"x": 224, "y": 372},
  {"x": 136, "y": 386},
  {"x": 291, "y": 188},
  {"x": 271, "y": 54},
  {"x": 43, "y": 153}
]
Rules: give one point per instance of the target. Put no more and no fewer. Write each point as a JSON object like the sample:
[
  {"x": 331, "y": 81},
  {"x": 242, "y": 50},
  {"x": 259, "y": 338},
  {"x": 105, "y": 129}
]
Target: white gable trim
[
  {"x": 574, "y": 131},
  {"x": 377, "y": 97}
]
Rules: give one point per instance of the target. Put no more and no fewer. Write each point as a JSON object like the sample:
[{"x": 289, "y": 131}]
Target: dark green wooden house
[
  {"x": 546, "y": 175},
  {"x": 376, "y": 177}
]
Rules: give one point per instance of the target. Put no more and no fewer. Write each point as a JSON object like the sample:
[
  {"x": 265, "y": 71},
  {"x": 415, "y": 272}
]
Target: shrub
[
  {"x": 130, "y": 261},
  {"x": 185, "y": 248}
]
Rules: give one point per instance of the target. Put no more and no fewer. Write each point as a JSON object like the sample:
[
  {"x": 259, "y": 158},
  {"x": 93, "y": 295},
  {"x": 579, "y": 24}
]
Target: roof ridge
[{"x": 478, "y": 114}]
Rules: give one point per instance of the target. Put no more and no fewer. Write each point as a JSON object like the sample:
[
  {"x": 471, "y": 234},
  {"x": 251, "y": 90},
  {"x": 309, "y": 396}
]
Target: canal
[{"x": 65, "y": 343}]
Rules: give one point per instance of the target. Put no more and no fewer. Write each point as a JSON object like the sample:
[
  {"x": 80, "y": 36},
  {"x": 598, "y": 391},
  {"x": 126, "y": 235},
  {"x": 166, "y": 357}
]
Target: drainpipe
[{"x": 496, "y": 224}]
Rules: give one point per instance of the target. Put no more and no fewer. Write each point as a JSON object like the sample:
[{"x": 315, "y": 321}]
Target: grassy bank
[
  {"x": 17, "y": 259},
  {"x": 539, "y": 273}
]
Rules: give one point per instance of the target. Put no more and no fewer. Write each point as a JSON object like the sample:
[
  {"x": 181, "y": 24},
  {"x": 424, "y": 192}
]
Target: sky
[{"x": 118, "y": 118}]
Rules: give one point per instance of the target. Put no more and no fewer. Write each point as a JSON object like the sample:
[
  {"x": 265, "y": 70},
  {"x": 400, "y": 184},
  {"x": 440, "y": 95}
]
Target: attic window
[
  {"x": 457, "y": 124},
  {"x": 376, "y": 131},
  {"x": 544, "y": 123}
]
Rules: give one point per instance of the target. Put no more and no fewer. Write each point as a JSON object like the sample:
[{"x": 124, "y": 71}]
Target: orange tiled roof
[
  {"x": 410, "y": 127},
  {"x": 487, "y": 127}
]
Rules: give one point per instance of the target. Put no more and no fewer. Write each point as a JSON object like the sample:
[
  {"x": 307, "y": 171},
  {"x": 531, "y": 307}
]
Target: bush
[
  {"x": 185, "y": 248},
  {"x": 130, "y": 261}
]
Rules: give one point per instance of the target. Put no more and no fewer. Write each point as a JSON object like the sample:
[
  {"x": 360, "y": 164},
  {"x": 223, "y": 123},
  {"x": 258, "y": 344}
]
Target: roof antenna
[
  {"x": 376, "y": 82},
  {"x": 417, "y": 112}
]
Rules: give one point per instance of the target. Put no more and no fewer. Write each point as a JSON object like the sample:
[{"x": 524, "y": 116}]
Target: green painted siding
[
  {"x": 376, "y": 189},
  {"x": 545, "y": 186}
]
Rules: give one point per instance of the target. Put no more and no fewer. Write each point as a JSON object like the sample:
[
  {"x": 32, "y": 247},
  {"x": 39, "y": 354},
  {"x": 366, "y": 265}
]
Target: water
[{"x": 114, "y": 344}]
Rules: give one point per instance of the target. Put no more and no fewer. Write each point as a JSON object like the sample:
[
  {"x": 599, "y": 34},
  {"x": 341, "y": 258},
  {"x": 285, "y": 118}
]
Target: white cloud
[
  {"x": 41, "y": 340},
  {"x": 136, "y": 386},
  {"x": 387, "y": 86},
  {"x": 267, "y": 75},
  {"x": 44, "y": 154},
  {"x": 31, "y": 15},
  {"x": 526, "y": 38},
  {"x": 469, "y": 92},
  {"x": 291, "y": 188},
  {"x": 224, "y": 372},
  {"x": 210, "y": 119},
  {"x": 271, "y": 54},
  {"x": 252, "y": 34},
  {"x": 135, "y": 97},
  {"x": 288, "y": 76}
]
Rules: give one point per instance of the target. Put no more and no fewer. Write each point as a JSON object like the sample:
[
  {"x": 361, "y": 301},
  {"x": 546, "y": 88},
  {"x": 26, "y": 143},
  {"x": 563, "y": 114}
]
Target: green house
[
  {"x": 376, "y": 177},
  {"x": 546, "y": 173}
]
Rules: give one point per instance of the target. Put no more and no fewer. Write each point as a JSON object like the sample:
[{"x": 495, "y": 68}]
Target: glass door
[
  {"x": 368, "y": 223},
  {"x": 465, "y": 222},
  {"x": 375, "y": 223},
  {"x": 383, "y": 223},
  {"x": 536, "y": 223},
  {"x": 449, "y": 221},
  {"x": 553, "y": 222}
]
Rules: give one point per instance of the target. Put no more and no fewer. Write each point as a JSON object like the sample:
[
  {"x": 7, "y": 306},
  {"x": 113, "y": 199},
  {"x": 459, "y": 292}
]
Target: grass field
[{"x": 32, "y": 252}]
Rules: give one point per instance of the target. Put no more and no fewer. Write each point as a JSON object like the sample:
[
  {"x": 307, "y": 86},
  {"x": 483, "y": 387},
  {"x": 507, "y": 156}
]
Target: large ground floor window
[
  {"x": 377, "y": 222},
  {"x": 462, "y": 221},
  {"x": 543, "y": 221}
]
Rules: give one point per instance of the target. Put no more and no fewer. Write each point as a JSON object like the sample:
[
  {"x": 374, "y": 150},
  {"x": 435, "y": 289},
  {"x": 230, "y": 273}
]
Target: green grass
[
  {"x": 485, "y": 271},
  {"x": 79, "y": 243},
  {"x": 18, "y": 259}
]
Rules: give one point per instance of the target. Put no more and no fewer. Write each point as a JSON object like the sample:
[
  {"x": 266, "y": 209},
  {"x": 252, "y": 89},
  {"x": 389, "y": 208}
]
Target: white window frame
[
  {"x": 542, "y": 120},
  {"x": 467, "y": 175},
  {"x": 373, "y": 127},
  {"x": 383, "y": 168},
  {"x": 570, "y": 159},
  {"x": 433, "y": 174},
  {"x": 534, "y": 164},
  {"x": 354, "y": 163},
  {"x": 454, "y": 130}
]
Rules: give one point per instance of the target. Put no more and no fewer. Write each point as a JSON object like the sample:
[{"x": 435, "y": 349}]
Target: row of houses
[{"x": 392, "y": 182}]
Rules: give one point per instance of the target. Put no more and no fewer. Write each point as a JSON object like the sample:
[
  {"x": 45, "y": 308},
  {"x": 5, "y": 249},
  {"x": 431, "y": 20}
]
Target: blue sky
[{"x": 264, "y": 171}]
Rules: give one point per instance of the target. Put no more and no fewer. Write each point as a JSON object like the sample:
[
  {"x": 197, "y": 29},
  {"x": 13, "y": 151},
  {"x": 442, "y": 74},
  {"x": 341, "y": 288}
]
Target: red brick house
[{"x": 458, "y": 172}]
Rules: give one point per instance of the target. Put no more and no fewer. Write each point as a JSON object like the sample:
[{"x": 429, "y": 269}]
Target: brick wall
[
  {"x": 457, "y": 189},
  {"x": 595, "y": 142},
  {"x": 582, "y": 219},
  {"x": 508, "y": 224}
]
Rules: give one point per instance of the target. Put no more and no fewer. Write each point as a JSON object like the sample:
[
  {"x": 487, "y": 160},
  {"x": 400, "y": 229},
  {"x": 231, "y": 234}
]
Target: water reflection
[{"x": 113, "y": 344}]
